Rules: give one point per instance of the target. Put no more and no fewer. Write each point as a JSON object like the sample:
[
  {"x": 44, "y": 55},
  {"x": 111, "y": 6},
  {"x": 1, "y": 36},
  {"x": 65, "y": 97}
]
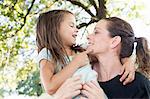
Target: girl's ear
[{"x": 115, "y": 41}]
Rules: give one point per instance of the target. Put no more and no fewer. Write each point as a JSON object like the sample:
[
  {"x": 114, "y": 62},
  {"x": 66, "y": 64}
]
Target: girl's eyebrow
[{"x": 72, "y": 23}]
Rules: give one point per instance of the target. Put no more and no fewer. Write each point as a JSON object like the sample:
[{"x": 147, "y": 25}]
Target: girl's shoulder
[{"x": 44, "y": 54}]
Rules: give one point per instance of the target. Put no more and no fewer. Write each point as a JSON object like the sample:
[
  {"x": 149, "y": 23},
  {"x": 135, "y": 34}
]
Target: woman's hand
[
  {"x": 128, "y": 71},
  {"x": 92, "y": 91},
  {"x": 69, "y": 89}
]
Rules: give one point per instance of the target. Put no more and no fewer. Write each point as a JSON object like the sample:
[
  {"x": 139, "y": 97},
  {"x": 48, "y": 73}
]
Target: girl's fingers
[
  {"x": 122, "y": 70},
  {"x": 125, "y": 74},
  {"x": 130, "y": 78}
]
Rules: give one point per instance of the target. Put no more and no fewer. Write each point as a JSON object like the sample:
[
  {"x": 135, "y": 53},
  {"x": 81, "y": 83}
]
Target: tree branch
[
  {"x": 101, "y": 13},
  {"x": 15, "y": 2},
  {"x": 82, "y": 6},
  {"x": 94, "y": 4},
  {"x": 86, "y": 24},
  {"x": 25, "y": 17}
]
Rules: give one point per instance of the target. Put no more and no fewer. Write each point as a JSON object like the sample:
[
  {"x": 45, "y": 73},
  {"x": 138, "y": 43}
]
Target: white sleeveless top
[{"x": 86, "y": 72}]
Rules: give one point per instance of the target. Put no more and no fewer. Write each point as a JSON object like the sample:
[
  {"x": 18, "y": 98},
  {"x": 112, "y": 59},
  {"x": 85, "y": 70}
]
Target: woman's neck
[{"x": 108, "y": 67}]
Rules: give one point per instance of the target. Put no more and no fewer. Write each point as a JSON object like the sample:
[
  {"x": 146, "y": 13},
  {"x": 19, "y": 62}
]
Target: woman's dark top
[{"x": 137, "y": 89}]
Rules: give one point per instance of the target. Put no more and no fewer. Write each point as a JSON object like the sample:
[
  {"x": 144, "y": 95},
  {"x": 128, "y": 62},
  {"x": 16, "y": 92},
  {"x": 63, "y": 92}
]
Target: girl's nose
[
  {"x": 89, "y": 36},
  {"x": 77, "y": 30}
]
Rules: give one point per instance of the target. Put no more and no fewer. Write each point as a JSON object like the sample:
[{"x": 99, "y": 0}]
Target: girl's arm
[
  {"x": 51, "y": 81},
  {"x": 128, "y": 71}
]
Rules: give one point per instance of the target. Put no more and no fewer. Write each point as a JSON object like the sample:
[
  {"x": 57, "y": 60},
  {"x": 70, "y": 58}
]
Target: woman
[{"x": 112, "y": 40}]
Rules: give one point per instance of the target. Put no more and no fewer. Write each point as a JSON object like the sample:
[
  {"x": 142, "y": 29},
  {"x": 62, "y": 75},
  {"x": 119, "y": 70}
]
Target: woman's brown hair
[
  {"x": 119, "y": 27},
  {"x": 47, "y": 34}
]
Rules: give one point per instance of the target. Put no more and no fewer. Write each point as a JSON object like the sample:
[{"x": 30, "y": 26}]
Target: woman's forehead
[{"x": 101, "y": 24}]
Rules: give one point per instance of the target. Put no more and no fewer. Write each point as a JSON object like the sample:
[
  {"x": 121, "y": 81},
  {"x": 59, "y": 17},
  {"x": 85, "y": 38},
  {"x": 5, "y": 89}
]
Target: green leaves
[{"x": 30, "y": 86}]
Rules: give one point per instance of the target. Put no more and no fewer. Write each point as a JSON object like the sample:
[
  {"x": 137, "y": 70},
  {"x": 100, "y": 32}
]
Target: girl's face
[
  {"x": 100, "y": 40},
  {"x": 68, "y": 30}
]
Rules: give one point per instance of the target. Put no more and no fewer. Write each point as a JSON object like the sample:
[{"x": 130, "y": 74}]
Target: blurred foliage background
[{"x": 19, "y": 72}]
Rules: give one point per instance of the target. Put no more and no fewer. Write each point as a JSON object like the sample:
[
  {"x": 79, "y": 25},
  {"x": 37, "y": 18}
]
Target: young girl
[{"x": 58, "y": 61}]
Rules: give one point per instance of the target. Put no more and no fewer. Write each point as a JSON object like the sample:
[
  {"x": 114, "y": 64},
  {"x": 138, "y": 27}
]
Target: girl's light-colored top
[{"x": 86, "y": 72}]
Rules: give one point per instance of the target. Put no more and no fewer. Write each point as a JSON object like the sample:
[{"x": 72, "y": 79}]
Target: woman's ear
[{"x": 115, "y": 41}]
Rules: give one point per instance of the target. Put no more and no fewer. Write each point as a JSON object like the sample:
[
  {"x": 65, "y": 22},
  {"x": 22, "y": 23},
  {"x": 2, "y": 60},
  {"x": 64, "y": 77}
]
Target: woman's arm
[{"x": 127, "y": 72}]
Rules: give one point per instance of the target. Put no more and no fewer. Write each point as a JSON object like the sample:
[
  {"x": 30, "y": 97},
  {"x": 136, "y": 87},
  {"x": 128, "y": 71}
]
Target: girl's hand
[
  {"x": 127, "y": 72},
  {"x": 92, "y": 91},
  {"x": 69, "y": 89},
  {"x": 81, "y": 59}
]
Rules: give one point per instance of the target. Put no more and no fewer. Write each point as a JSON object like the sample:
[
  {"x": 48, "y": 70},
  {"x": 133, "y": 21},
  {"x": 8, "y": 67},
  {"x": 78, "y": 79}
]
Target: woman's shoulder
[{"x": 141, "y": 78}]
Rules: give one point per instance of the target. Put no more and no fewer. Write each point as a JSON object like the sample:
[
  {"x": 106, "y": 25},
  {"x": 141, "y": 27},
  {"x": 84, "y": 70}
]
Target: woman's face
[
  {"x": 100, "y": 41},
  {"x": 68, "y": 30}
]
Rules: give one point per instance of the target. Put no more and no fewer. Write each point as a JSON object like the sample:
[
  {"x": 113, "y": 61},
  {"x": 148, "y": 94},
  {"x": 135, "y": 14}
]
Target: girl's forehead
[{"x": 69, "y": 17}]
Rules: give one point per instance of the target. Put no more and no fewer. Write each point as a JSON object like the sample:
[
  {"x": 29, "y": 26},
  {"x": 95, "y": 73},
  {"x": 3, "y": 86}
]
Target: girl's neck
[
  {"x": 109, "y": 66},
  {"x": 69, "y": 51}
]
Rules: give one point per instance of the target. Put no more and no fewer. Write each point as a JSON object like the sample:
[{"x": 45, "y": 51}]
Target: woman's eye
[{"x": 96, "y": 32}]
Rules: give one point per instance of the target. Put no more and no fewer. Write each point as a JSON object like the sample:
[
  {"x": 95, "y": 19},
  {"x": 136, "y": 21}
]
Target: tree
[{"x": 18, "y": 70}]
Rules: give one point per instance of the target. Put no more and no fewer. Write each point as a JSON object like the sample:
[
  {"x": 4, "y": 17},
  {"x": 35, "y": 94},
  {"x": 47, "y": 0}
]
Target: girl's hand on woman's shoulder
[
  {"x": 81, "y": 59},
  {"x": 128, "y": 71}
]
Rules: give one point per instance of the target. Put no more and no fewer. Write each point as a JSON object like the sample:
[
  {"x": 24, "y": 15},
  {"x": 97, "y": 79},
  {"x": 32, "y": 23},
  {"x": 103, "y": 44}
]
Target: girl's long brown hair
[
  {"x": 47, "y": 34},
  {"x": 119, "y": 27}
]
